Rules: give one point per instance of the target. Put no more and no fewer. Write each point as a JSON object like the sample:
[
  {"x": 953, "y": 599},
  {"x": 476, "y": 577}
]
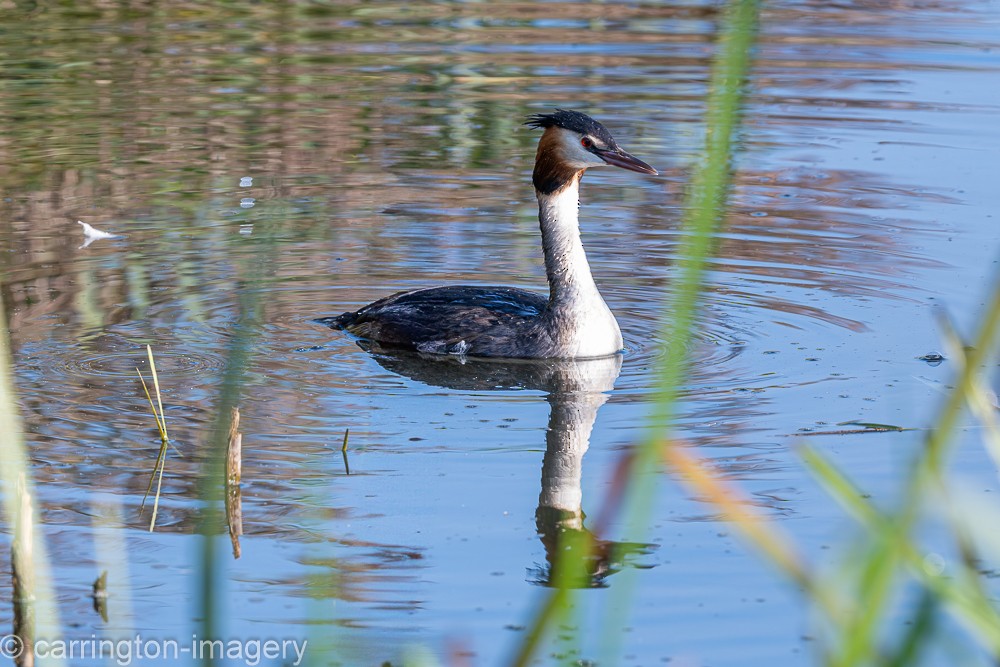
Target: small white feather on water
[{"x": 91, "y": 234}]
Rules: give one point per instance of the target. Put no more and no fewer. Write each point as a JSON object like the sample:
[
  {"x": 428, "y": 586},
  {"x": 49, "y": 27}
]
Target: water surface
[{"x": 315, "y": 158}]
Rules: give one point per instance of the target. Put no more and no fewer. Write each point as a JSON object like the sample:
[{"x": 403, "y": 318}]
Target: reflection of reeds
[
  {"x": 100, "y": 595},
  {"x": 212, "y": 492},
  {"x": 33, "y": 599},
  {"x": 343, "y": 451},
  {"x": 705, "y": 208},
  {"x": 23, "y": 576},
  {"x": 112, "y": 597},
  {"x": 161, "y": 426},
  {"x": 858, "y": 605}
]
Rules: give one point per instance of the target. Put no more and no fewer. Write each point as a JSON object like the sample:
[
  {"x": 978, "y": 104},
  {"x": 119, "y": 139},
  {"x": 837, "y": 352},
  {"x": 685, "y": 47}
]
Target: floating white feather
[{"x": 91, "y": 234}]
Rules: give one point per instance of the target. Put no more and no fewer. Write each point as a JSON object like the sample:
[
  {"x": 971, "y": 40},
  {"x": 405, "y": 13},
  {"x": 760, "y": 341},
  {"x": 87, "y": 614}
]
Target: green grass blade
[
  {"x": 343, "y": 451},
  {"x": 932, "y": 464},
  {"x": 842, "y": 489},
  {"x": 160, "y": 464},
  {"x": 860, "y": 635},
  {"x": 915, "y": 639},
  {"x": 976, "y": 392},
  {"x": 963, "y": 593},
  {"x": 705, "y": 209},
  {"x": 161, "y": 419},
  {"x": 160, "y": 426}
]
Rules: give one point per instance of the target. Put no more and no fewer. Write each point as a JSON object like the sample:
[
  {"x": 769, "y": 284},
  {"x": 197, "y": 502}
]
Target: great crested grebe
[{"x": 572, "y": 323}]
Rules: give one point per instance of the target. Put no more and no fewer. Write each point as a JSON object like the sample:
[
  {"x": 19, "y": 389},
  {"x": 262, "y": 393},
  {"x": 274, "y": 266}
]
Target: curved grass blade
[{"x": 161, "y": 426}]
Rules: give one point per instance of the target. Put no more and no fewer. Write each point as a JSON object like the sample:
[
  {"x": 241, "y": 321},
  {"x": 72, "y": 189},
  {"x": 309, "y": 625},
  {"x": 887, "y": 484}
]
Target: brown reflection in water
[
  {"x": 142, "y": 121},
  {"x": 21, "y": 645},
  {"x": 334, "y": 130},
  {"x": 306, "y": 94}
]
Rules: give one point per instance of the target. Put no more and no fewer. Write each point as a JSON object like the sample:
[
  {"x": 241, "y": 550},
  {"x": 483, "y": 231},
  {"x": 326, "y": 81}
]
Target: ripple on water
[
  {"x": 125, "y": 364},
  {"x": 110, "y": 356},
  {"x": 713, "y": 343},
  {"x": 719, "y": 337}
]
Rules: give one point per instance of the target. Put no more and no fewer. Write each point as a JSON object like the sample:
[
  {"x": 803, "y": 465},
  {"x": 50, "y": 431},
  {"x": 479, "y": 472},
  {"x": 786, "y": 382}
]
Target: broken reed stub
[{"x": 234, "y": 452}]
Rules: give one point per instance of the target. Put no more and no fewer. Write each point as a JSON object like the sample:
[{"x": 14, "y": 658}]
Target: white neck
[
  {"x": 577, "y": 390},
  {"x": 581, "y": 321}
]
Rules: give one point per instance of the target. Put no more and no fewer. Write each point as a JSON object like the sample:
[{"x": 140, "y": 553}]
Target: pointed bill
[{"x": 619, "y": 158}]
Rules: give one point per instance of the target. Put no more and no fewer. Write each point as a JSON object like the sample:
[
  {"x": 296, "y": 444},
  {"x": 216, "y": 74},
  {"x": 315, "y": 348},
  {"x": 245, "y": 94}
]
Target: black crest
[{"x": 575, "y": 121}]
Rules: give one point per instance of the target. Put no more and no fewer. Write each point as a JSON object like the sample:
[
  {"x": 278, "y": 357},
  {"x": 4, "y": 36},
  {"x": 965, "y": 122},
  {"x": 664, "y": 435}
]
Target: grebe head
[{"x": 572, "y": 143}]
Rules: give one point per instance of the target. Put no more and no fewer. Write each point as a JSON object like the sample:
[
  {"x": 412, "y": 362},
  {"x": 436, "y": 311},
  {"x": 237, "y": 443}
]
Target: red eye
[{"x": 587, "y": 142}]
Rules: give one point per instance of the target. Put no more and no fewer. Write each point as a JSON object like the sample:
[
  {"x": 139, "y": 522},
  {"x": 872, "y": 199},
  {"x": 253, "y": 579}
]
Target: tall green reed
[
  {"x": 211, "y": 488},
  {"x": 856, "y": 606},
  {"x": 705, "y": 209},
  {"x": 34, "y": 596},
  {"x": 704, "y": 214}
]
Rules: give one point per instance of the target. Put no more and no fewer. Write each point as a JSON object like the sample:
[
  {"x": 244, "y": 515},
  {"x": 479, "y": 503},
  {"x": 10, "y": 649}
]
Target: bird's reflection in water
[{"x": 575, "y": 391}]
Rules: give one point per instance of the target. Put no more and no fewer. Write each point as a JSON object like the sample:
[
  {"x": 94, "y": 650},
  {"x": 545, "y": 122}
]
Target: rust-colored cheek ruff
[{"x": 551, "y": 171}]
